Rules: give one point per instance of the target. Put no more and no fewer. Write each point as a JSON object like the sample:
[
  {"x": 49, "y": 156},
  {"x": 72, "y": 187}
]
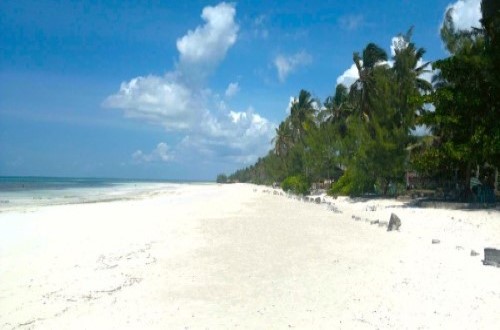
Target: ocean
[{"x": 22, "y": 192}]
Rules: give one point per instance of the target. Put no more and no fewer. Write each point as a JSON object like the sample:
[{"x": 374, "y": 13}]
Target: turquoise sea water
[{"x": 21, "y": 192}]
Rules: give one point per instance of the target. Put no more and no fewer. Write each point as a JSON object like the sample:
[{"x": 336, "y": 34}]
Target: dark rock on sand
[
  {"x": 491, "y": 257},
  {"x": 394, "y": 223}
]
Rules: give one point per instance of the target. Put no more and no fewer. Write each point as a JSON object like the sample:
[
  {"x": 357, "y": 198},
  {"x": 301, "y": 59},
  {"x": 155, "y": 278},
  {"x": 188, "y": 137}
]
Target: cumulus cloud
[
  {"x": 176, "y": 99},
  {"x": 232, "y": 89},
  {"x": 350, "y": 22},
  {"x": 161, "y": 100},
  {"x": 236, "y": 136},
  {"x": 465, "y": 14},
  {"x": 349, "y": 76},
  {"x": 288, "y": 64},
  {"x": 200, "y": 50},
  {"x": 160, "y": 153},
  {"x": 181, "y": 102}
]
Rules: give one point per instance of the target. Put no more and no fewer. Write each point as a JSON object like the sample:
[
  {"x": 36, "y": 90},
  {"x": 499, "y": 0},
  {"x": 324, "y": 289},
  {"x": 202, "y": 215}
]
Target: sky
[{"x": 182, "y": 90}]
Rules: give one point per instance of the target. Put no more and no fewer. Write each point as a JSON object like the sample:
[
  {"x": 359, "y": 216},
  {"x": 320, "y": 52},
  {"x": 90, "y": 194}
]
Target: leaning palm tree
[{"x": 364, "y": 87}]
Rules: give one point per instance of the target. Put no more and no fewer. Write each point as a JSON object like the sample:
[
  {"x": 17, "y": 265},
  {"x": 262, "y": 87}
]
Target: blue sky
[{"x": 178, "y": 89}]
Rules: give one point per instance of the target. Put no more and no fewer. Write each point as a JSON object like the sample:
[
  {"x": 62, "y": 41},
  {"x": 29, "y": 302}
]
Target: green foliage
[
  {"x": 375, "y": 144},
  {"x": 221, "y": 178},
  {"x": 354, "y": 182},
  {"x": 296, "y": 184},
  {"x": 266, "y": 170},
  {"x": 362, "y": 136},
  {"x": 322, "y": 157},
  {"x": 302, "y": 116},
  {"x": 465, "y": 120}
]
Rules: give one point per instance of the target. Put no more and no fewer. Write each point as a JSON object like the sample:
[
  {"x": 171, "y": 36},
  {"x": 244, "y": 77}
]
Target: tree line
[{"x": 363, "y": 137}]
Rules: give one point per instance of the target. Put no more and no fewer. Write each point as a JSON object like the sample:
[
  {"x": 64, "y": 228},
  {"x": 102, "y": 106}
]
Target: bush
[
  {"x": 296, "y": 184},
  {"x": 351, "y": 184}
]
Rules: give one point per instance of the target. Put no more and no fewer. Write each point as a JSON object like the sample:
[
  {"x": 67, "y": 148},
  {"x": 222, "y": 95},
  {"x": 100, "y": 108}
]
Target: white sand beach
[{"x": 235, "y": 257}]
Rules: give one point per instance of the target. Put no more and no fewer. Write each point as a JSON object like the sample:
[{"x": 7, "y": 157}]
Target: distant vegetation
[
  {"x": 363, "y": 137},
  {"x": 221, "y": 178}
]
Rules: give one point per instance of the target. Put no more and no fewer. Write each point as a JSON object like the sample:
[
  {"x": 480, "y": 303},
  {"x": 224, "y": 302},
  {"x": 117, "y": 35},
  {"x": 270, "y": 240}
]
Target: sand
[{"x": 234, "y": 256}]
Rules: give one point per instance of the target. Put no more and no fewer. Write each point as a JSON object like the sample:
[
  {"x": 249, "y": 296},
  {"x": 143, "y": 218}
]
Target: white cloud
[
  {"x": 177, "y": 99},
  {"x": 181, "y": 102},
  {"x": 349, "y": 76},
  {"x": 210, "y": 42},
  {"x": 465, "y": 14},
  {"x": 161, "y": 100},
  {"x": 350, "y": 22},
  {"x": 288, "y": 64},
  {"x": 239, "y": 137},
  {"x": 160, "y": 153},
  {"x": 232, "y": 89}
]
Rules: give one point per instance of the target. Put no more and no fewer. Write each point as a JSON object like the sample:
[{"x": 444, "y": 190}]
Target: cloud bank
[{"x": 181, "y": 102}]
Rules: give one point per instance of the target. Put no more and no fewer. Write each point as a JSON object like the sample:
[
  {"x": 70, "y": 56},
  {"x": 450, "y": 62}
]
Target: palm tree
[
  {"x": 335, "y": 107},
  {"x": 283, "y": 141},
  {"x": 302, "y": 115},
  {"x": 408, "y": 68},
  {"x": 362, "y": 88}
]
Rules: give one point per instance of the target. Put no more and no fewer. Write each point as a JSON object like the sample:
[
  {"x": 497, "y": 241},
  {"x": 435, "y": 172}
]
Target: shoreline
[
  {"x": 225, "y": 256},
  {"x": 32, "y": 199}
]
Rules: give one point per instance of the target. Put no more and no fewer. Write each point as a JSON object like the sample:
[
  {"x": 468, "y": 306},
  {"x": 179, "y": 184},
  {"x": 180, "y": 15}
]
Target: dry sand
[{"x": 233, "y": 256}]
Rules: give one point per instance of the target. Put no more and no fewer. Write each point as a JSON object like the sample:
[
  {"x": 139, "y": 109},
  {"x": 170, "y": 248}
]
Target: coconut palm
[
  {"x": 302, "y": 115},
  {"x": 408, "y": 68},
  {"x": 362, "y": 88},
  {"x": 335, "y": 107},
  {"x": 283, "y": 141}
]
